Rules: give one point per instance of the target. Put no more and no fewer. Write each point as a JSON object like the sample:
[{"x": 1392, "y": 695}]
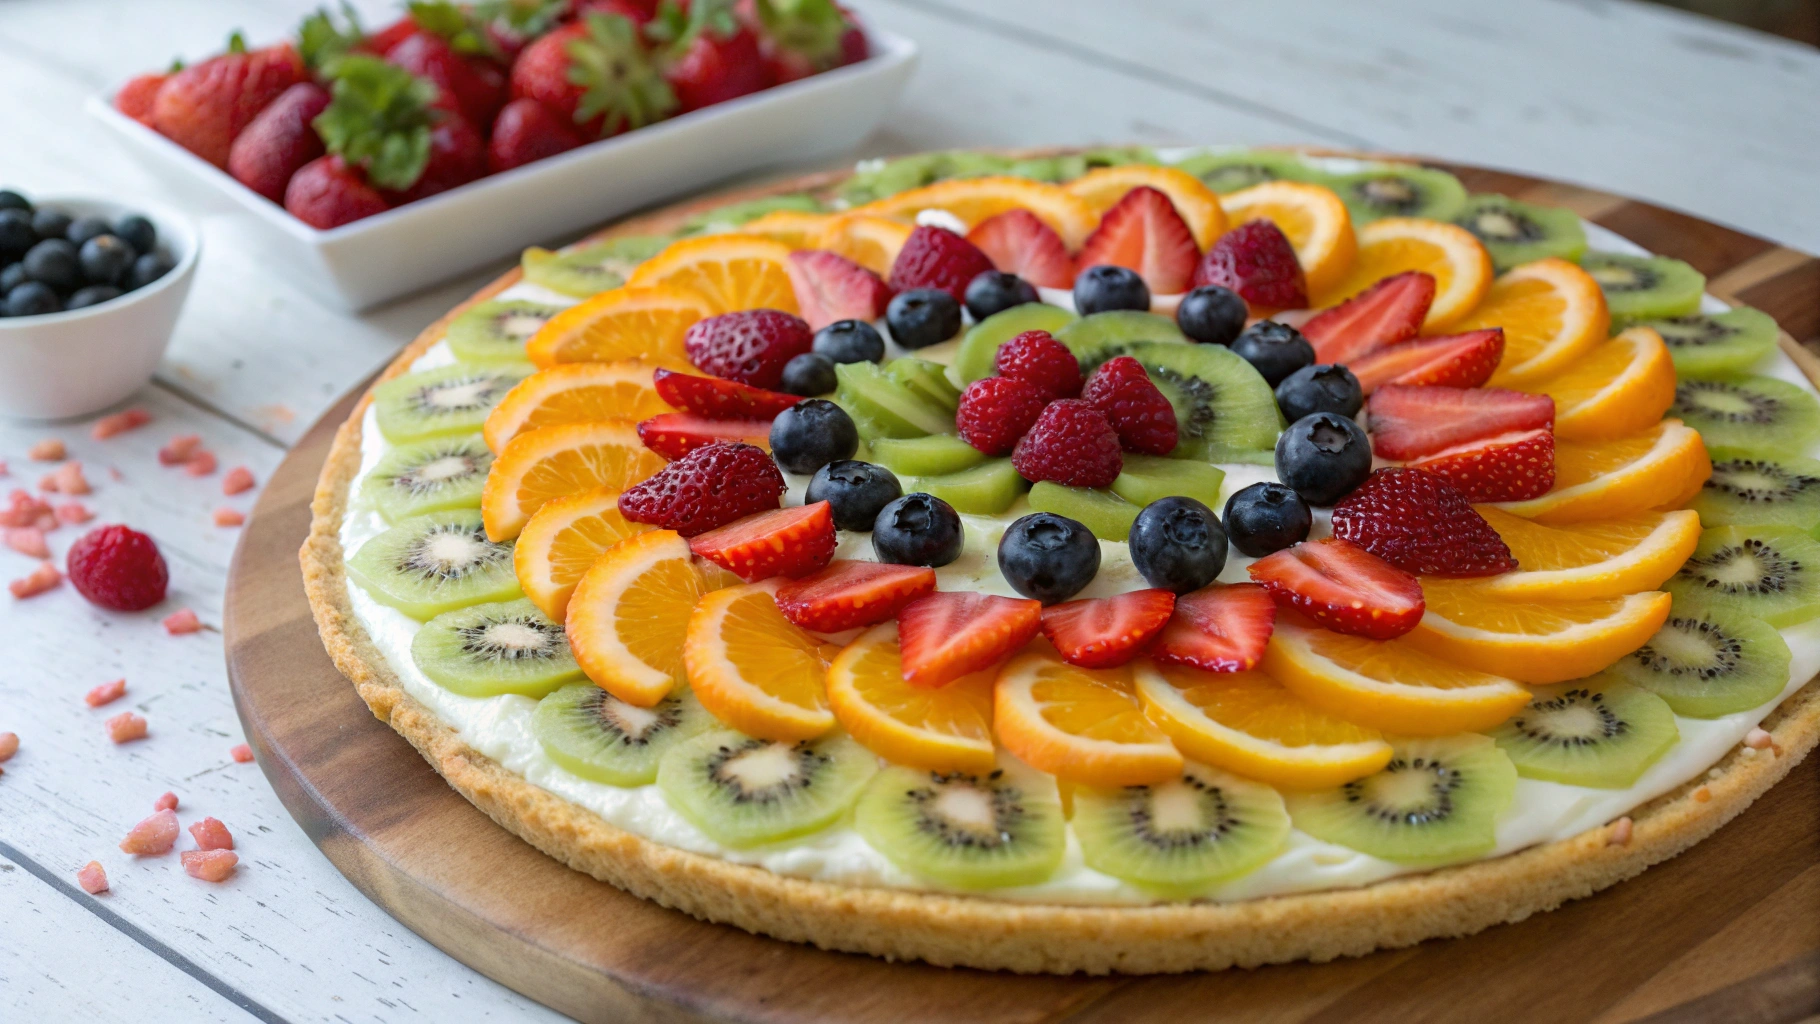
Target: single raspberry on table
[
  {"x": 1255, "y": 260},
  {"x": 1036, "y": 356},
  {"x": 1421, "y": 523},
  {"x": 750, "y": 346},
  {"x": 996, "y": 411},
  {"x": 1072, "y": 444},
  {"x": 119, "y": 568},
  {"x": 709, "y": 487},
  {"x": 935, "y": 257},
  {"x": 1144, "y": 419}
]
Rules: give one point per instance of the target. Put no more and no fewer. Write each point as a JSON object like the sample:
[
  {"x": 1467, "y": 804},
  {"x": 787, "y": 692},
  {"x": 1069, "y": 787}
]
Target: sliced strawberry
[
  {"x": 1144, "y": 233},
  {"x": 676, "y": 434},
  {"x": 1384, "y": 314},
  {"x": 1516, "y": 466},
  {"x": 1419, "y": 522},
  {"x": 831, "y": 287},
  {"x": 1018, "y": 242},
  {"x": 1342, "y": 587},
  {"x": 1454, "y": 360},
  {"x": 850, "y": 593},
  {"x": 1220, "y": 628},
  {"x": 789, "y": 542},
  {"x": 945, "y": 635},
  {"x": 1408, "y": 421},
  {"x": 719, "y": 399},
  {"x": 1107, "y": 631}
]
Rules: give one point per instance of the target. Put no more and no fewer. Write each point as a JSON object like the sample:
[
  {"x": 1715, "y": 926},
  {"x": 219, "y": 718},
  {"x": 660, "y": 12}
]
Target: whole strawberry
[
  {"x": 1419, "y": 522},
  {"x": 708, "y": 57},
  {"x": 996, "y": 411},
  {"x": 801, "y": 37},
  {"x": 458, "y": 155},
  {"x": 473, "y": 86},
  {"x": 527, "y": 131},
  {"x": 1143, "y": 417},
  {"x": 203, "y": 108},
  {"x": 138, "y": 96},
  {"x": 1072, "y": 444},
  {"x": 935, "y": 257},
  {"x": 379, "y": 119},
  {"x": 707, "y": 488},
  {"x": 1036, "y": 357},
  {"x": 119, "y": 568},
  {"x": 279, "y": 141},
  {"x": 750, "y": 346},
  {"x": 1255, "y": 260},
  {"x": 326, "y": 193},
  {"x": 596, "y": 73}
]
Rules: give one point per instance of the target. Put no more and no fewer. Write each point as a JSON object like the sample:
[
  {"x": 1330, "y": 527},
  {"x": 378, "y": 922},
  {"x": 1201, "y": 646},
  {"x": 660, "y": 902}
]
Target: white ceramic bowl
[
  {"x": 81, "y": 361},
  {"x": 362, "y": 264}
]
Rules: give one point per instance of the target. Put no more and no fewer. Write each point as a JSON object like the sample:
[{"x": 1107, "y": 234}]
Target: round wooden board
[{"x": 1728, "y": 931}]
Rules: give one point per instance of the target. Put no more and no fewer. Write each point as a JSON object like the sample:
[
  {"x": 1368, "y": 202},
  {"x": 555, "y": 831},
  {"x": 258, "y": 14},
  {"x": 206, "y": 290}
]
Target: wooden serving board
[{"x": 1729, "y": 931}]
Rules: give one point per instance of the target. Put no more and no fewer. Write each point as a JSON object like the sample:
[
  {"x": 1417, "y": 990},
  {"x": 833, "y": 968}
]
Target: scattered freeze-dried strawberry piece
[
  {"x": 47, "y": 522},
  {"x": 167, "y": 802},
  {"x": 201, "y": 464},
  {"x": 229, "y": 517},
  {"x": 70, "y": 479},
  {"x": 125, "y": 726},
  {"x": 48, "y": 450},
  {"x": 182, "y": 621},
  {"x": 106, "y": 693},
  {"x": 48, "y": 483},
  {"x": 155, "y": 835},
  {"x": 28, "y": 540},
  {"x": 41, "y": 579},
  {"x": 119, "y": 423},
  {"x": 74, "y": 512},
  {"x": 23, "y": 509},
  {"x": 237, "y": 481},
  {"x": 114, "y": 474},
  {"x": 211, "y": 834},
  {"x": 93, "y": 878},
  {"x": 179, "y": 450},
  {"x": 9, "y": 745},
  {"x": 241, "y": 753},
  {"x": 209, "y": 865}
]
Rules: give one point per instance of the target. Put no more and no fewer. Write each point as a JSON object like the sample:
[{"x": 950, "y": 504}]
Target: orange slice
[
  {"x": 1387, "y": 684},
  {"x": 732, "y": 272},
  {"x": 1533, "y": 641},
  {"x": 629, "y": 614},
  {"x": 621, "y": 323},
  {"x": 972, "y": 200},
  {"x": 798, "y": 229},
  {"x": 1552, "y": 312},
  {"x": 872, "y": 242},
  {"x": 943, "y": 730},
  {"x": 563, "y": 541},
  {"x": 554, "y": 462},
  {"x": 753, "y": 669},
  {"x": 1457, "y": 261},
  {"x": 1314, "y": 220},
  {"x": 1602, "y": 558},
  {"x": 1659, "y": 468},
  {"x": 1199, "y": 205},
  {"x": 1081, "y": 725},
  {"x": 1620, "y": 387},
  {"x": 1247, "y": 722},
  {"x": 574, "y": 393}
]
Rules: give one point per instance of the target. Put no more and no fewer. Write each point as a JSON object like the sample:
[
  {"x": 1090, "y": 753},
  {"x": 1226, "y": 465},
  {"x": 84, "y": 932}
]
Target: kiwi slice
[
  {"x": 934, "y": 455},
  {"x": 731, "y": 216},
  {"x": 1230, "y": 172},
  {"x": 985, "y": 490},
  {"x": 1642, "y": 287},
  {"x": 1769, "y": 572},
  {"x": 743, "y": 791},
  {"x": 444, "y": 401},
  {"x": 435, "y": 563},
  {"x": 486, "y": 650},
  {"x": 1596, "y": 732},
  {"x": 1752, "y": 490},
  {"x": 496, "y": 332},
  {"x": 987, "y": 831},
  {"x": 1105, "y": 513},
  {"x": 1716, "y": 344},
  {"x": 1182, "y": 835},
  {"x": 1073, "y": 165},
  {"x": 887, "y": 406},
  {"x": 878, "y": 180},
  {"x": 1750, "y": 412},
  {"x": 1517, "y": 232},
  {"x": 428, "y": 476},
  {"x": 1401, "y": 191},
  {"x": 925, "y": 380},
  {"x": 1146, "y": 478},
  {"x": 1437, "y": 800},
  {"x": 599, "y": 737},
  {"x": 978, "y": 352},
  {"x": 1707, "y": 662},
  {"x": 592, "y": 268}
]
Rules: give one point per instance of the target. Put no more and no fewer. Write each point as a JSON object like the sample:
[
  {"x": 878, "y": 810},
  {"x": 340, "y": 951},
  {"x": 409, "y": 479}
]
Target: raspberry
[
  {"x": 709, "y": 487},
  {"x": 1036, "y": 356},
  {"x": 750, "y": 346},
  {"x": 996, "y": 411},
  {"x": 119, "y": 568},
  {"x": 1256, "y": 261},
  {"x": 1110, "y": 374},
  {"x": 935, "y": 257},
  {"x": 1421, "y": 523},
  {"x": 1143, "y": 417},
  {"x": 1071, "y": 444}
]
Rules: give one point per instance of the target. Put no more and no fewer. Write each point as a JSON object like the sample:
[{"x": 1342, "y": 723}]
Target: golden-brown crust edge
[{"x": 995, "y": 934}]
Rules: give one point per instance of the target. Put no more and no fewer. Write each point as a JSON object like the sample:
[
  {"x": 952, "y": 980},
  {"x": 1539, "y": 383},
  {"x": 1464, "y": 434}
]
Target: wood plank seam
[{"x": 203, "y": 404}]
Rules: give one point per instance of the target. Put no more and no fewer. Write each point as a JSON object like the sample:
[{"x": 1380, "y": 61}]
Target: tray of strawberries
[{"x": 381, "y": 160}]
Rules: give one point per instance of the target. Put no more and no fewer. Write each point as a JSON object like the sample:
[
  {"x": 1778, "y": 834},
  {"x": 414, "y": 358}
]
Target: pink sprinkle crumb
[
  {"x": 182, "y": 621},
  {"x": 28, "y": 540},
  {"x": 209, "y": 865},
  {"x": 48, "y": 450},
  {"x": 201, "y": 464},
  {"x": 9, "y": 745},
  {"x": 74, "y": 512},
  {"x": 229, "y": 517},
  {"x": 70, "y": 479},
  {"x": 23, "y": 509},
  {"x": 92, "y": 878},
  {"x": 1757, "y": 739},
  {"x": 211, "y": 834},
  {"x": 238, "y": 480},
  {"x": 155, "y": 835},
  {"x": 125, "y": 726},
  {"x": 41, "y": 579},
  {"x": 1620, "y": 833},
  {"x": 167, "y": 802},
  {"x": 119, "y": 423},
  {"x": 240, "y": 753},
  {"x": 179, "y": 451},
  {"x": 106, "y": 693}
]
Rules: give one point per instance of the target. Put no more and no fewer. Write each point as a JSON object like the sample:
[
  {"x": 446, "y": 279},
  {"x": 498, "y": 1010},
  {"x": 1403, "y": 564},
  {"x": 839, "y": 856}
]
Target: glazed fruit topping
[
  {"x": 1419, "y": 522},
  {"x": 789, "y": 542},
  {"x": 709, "y": 487},
  {"x": 1109, "y": 631},
  {"x": 750, "y": 346},
  {"x": 1072, "y": 444},
  {"x": 1411, "y": 421},
  {"x": 995, "y": 412},
  {"x": 1342, "y": 587},
  {"x": 1143, "y": 417},
  {"x": 1018, "y": 242},
  {"x": 117, "y": 567},
  {"x": 830, "y": 287},
  {"x": 935, "y": 257},
  {"x": 1452, "y": 360},
  {"x": 1516, "y": 466},
  {"x": 718, "y": 399},
  {"x": 676, "y": 434},
  {"x": 850, "y": 593},
  {"x": 1255, "y": 260},
  {"x": 1036, "y": 357},
  {"x": 945, "y": 636},
  {"x": 1143, "y": 232},
  {"x": 1220, "y": 628},
  {"x": 1388, "y": 312}
]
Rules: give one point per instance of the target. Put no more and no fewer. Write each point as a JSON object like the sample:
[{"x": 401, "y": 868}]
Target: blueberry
[
  {"x": 31, "y": 299},
  {"x": 137, "y": 232},
  {"x": 1266, "y": 517},
  {"x": 855, "y": 492},
  {"x": 1323, "y": 457},
  {"x": 10, "y": 200},
  {"x": 917, "y": 529},
  {"x": 84, "y": 228},
  {"x": 808, "y": 374},
  {"x": 149, "y": 268},
  {"x": 1275, "y": 350},
  {"x": 12, "y": 277},
  {"x": 16, "y": 234},
  {"x": 53, "y": 262},
  {"x": 1106, "y": 287},
  {"x": 1212, "y": 315},
  {"x": 93, "y": 295},
  {"x": 106, "y": 260},
  {"x": 1177, "y": 544},
  {"x": 922, "y": 317},
  {"x": 811, "y": 434},
  {"x": 1048, "y": 557},
  {"x": 1320, "y": 388},
  {"x": 993, "y": 291},
  {"x": 850, "y": 341},
  {"x": 50, "y": 223}
]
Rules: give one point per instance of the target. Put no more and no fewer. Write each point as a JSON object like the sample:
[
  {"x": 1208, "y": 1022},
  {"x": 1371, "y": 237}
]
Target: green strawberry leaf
[
  {"x": 464, "y": 34},
  {"x": 811, "y": 28},
  {"x": 320, "y": 39},
  {"x": 526, "y": 19},
  {"x": 622, "y": 85},
  {"x": 236, "y": 42},
  {"x": 378, "y": 118}
]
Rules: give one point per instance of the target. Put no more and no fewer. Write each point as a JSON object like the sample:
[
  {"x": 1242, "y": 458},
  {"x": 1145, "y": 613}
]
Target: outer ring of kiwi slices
[{"x": 995, "y": 934}]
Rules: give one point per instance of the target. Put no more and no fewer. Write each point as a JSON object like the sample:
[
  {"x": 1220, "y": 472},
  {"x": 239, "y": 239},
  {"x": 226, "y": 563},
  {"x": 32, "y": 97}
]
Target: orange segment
[
  {"x": 1457, "y": 260},
  {"x": 797, "y": 229},
  {"x": 1247, "y": 722},
  {"x": 943, "y": 730},
  {"x": 732, "y": 272},
  {"x": 1534, "y": 641},
  {"x": 1315, "y": 221},
  {"x": 563, "y": 541},
  {"x": 753, "y": 669},
  {"x": 1552, "y": 313},
  {"x": 974, "y": 199},
  {"x": 1623, "y": 386},
  {"x": 1199, "y": 205},
  {"x": 1658, "y": 468},
  {"x": 621, "y": 323},
  {"x": 574, "y": 393},
  {"x": 553, "y": 462},
  {"x": 1080, "y": 725},
  {"x": 1387, "y": 684},
  {"x": 629, "y": 614},
  {"x": 1602, "y": 558},
  {"x": 872, "y": 242}
]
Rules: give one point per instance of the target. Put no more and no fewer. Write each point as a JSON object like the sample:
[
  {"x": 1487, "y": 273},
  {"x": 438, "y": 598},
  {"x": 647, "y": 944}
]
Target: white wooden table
[{"x": 1619, "y": 96}]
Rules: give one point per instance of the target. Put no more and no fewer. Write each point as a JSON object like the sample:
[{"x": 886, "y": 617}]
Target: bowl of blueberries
[{"x": 90, "y": 290}]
